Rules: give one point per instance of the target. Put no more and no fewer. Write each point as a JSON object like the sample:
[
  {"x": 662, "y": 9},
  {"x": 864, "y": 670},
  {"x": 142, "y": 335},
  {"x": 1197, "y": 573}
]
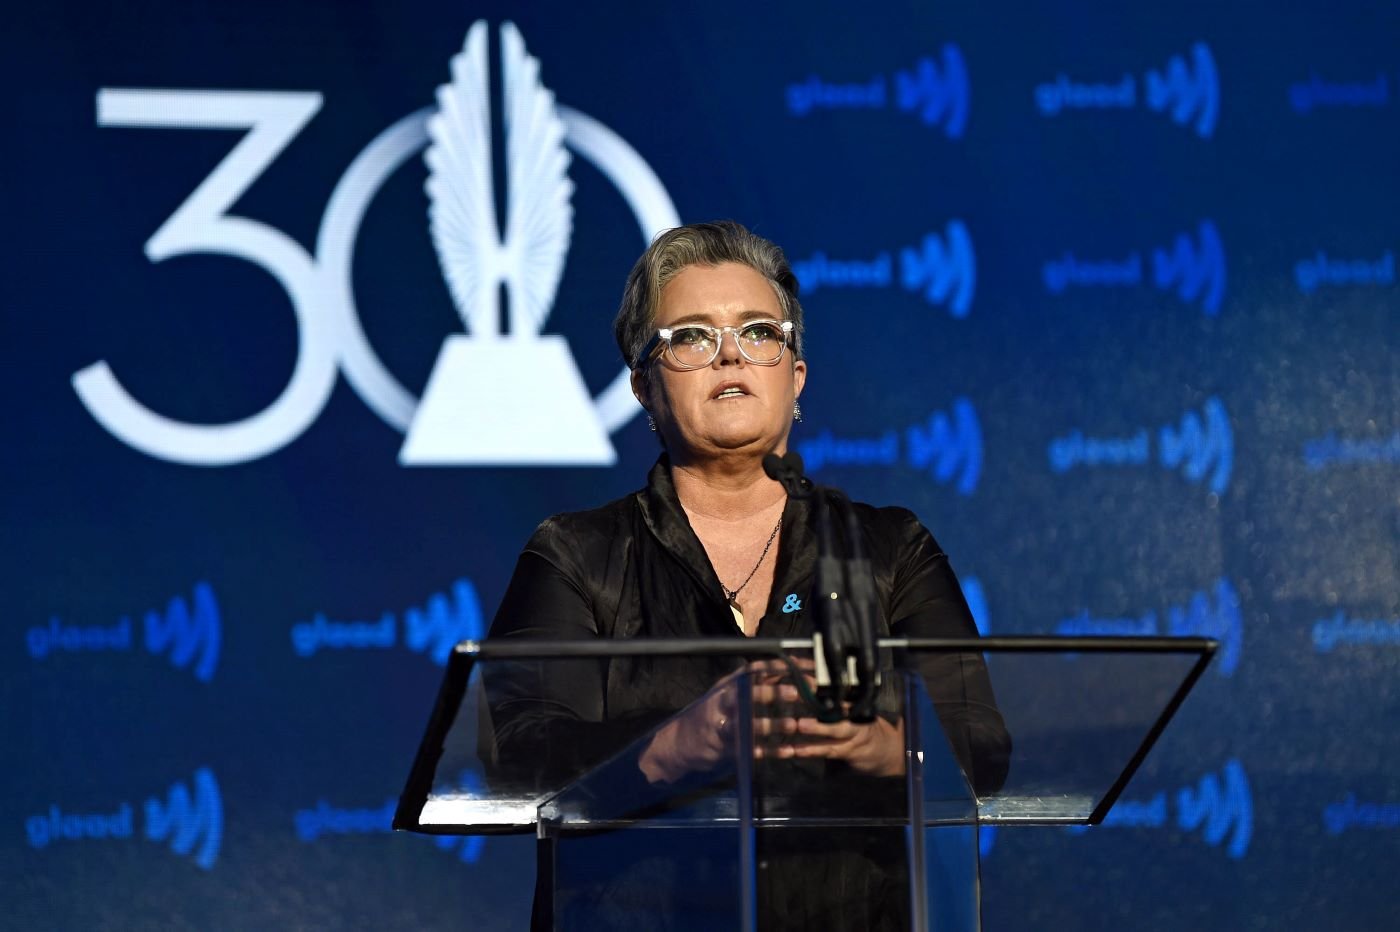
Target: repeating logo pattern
[
  {"x": 935, "y": 90},
  {"x": 1323, "y": 271},
  {"x": 445, "y": 621},
  {"x": 1191, "y": 269},
  {"x": 947, "y": 445},
  {"x": 1187, "y": 90},
  {"x": 1219, "y": 806},
  {"x": 189, "y": 819},
  {"x": 188, "y": 632},
  {"x": 1212, "y": 613},
  {"x": 1332, "y": 450},
  {"x": 1317, "y": 93},
  {"x": 1341, "y": 629},
  {"x": 942, "y": 269},
  {"x": 323, "y": 821},
  {"x": 1352, "y": 813},
  {"x": 1201, "y": 445}
]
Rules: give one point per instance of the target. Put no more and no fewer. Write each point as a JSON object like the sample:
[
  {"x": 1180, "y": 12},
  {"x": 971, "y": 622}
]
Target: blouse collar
[{"x": 666, "y": 520}]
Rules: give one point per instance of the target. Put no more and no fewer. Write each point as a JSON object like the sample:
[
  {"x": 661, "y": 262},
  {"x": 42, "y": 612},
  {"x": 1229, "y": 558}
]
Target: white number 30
[{"x": 202, "y": 225}]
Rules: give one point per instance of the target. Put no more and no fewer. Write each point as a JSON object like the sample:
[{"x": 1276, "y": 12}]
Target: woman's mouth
[{"x": 730, "y": 390}]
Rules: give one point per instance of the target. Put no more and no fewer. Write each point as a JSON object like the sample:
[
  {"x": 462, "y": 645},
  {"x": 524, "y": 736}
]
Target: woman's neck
[{"x": 726, "y": 491}]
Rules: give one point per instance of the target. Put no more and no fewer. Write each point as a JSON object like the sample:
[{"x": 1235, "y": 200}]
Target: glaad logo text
[
  {"x": 1323, "y": 271},
  {"x": 324, "y": 820},
  {"x": 940, "y": 269},
  {"x": 1202, "y": 446},
  {"x": 1332, "y": 450},
  {"x": 190, "y": 820},
  {"x": 1213, "y": 613},
  {"x": 434, "y": 629},
  {"x": 477, "y": 265},
  {"x": 1317, "y": 94},
  {"x": 190, "y": 632},
  {"x": 1340, "y": 630},
  {"x": 1192, "y": 270},
  {"x": 1187, "y": 90},
  {"x": 947, "y": 445},
  {"x": 934, "y": 91},
  {"x": 1349, "y": 814},
  {"x": 1220, "y": 807}
]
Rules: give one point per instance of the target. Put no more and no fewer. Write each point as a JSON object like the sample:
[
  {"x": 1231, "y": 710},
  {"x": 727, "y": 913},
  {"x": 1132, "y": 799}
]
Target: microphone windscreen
[
  {"x": 773, "y": 466},
  {"x": 794, "y": 462}
]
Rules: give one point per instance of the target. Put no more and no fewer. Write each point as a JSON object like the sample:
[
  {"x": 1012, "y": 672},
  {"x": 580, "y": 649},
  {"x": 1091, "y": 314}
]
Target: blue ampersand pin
[{"x": 793, "y": 604}]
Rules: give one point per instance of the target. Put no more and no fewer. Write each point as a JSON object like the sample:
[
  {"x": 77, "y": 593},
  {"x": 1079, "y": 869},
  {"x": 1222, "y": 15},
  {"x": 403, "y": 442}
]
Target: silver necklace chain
[{"x": 732, "y": 595}]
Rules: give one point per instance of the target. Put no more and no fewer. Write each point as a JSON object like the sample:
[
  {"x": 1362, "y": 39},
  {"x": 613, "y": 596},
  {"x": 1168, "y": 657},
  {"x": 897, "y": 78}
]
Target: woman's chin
[
  {"x": 734, "y": 434},
  {"x": 749, "y": 441}
]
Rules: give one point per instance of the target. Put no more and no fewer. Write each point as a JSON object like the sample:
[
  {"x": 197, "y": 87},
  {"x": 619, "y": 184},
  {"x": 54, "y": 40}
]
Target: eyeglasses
[{"x": 695, "y": 346}]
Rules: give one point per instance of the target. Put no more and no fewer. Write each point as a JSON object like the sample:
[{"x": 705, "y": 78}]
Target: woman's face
[{"x": 696, "y": 420}]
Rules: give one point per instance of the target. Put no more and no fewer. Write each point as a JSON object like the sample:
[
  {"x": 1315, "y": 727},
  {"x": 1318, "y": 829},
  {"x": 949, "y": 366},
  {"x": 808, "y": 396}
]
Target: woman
[{"x": 712, "y": 328}]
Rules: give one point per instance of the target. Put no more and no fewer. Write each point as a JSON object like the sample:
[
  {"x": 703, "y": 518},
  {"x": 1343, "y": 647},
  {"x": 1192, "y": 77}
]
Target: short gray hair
[{"x": 707, "y": 244}]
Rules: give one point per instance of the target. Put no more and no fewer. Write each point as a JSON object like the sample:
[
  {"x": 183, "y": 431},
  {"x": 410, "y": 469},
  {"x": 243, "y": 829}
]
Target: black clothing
[{"x": 634, "y": 568}]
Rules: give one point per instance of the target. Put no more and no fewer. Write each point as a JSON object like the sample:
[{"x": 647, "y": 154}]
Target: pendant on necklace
[{"x": 732, "y": 595}]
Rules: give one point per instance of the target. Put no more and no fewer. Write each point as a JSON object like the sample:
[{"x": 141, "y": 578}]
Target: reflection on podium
[{"x": 751, "y": 837}]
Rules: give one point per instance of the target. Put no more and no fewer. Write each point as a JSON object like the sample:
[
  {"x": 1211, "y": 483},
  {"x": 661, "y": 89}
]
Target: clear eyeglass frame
[{"x": 667, "y": 334}]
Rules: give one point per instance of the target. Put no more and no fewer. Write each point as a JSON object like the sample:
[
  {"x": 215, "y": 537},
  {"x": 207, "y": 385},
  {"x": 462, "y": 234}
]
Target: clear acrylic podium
[{"x": 748, "y": 836}]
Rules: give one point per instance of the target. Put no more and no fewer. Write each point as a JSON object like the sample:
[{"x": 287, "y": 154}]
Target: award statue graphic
[{"x": 502, "y": 395}]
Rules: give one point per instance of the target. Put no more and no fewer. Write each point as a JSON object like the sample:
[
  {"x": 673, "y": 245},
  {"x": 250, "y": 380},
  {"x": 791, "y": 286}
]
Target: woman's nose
[{"x": 729, "y": 348}]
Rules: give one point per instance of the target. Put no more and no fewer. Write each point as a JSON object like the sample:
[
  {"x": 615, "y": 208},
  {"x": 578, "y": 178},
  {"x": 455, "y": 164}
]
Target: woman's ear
[{"x": 640, "y": 388}]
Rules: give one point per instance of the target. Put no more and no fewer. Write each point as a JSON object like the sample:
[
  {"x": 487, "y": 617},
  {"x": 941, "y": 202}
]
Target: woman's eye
[
  {"x": 759, "y": 333},
  {"x": 690, "y": 336}
]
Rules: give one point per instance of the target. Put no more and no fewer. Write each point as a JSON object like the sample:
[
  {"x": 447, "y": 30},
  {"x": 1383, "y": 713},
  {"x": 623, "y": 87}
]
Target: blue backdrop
[{"x": 1107, "y": 296}]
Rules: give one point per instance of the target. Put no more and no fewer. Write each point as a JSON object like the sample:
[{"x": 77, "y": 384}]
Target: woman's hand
[
  {"x": 783, "y": 729},
  {"x": 702, "y": 736},
  {"x": 695, "y": 741},
  {"x": 873, "y": 748},
  {"x": 790, "y": 731}
]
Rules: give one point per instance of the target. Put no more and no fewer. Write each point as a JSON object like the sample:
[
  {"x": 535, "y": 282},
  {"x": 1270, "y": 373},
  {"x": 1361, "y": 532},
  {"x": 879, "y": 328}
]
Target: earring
[
  {"x": 796, "y": 411},
  {"x": 650, "y": 423}
]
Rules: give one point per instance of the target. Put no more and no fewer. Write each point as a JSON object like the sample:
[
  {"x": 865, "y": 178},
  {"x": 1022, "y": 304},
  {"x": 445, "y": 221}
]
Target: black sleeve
[
  {"x": 927, "y": 601},
  {"x": 547, "y": 720}
]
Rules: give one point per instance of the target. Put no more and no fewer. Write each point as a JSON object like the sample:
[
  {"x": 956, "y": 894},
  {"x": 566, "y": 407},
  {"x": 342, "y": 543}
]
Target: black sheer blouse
[{"x": 635, "y": 569}]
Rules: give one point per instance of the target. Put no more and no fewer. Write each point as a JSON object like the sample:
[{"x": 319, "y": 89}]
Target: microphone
[
  {"x": 845, "y": 652},
  {"x": 787, "y": 470}
]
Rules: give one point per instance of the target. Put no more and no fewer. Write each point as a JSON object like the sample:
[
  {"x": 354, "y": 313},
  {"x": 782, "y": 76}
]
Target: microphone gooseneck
[
  {"x": 787, "y": 470},
  {"x": 846, "y": 655}
]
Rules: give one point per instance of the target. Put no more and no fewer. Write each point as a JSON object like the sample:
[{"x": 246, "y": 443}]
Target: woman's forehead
[
  {"x": 718, "y": 319},
  {"x": 719, "y": 295}
]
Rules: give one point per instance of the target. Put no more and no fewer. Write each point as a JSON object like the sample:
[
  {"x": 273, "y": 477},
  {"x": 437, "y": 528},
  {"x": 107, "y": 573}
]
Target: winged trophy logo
[
  {"x": 539, "y": 214},
  {"x": 506, "y": 394}
]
